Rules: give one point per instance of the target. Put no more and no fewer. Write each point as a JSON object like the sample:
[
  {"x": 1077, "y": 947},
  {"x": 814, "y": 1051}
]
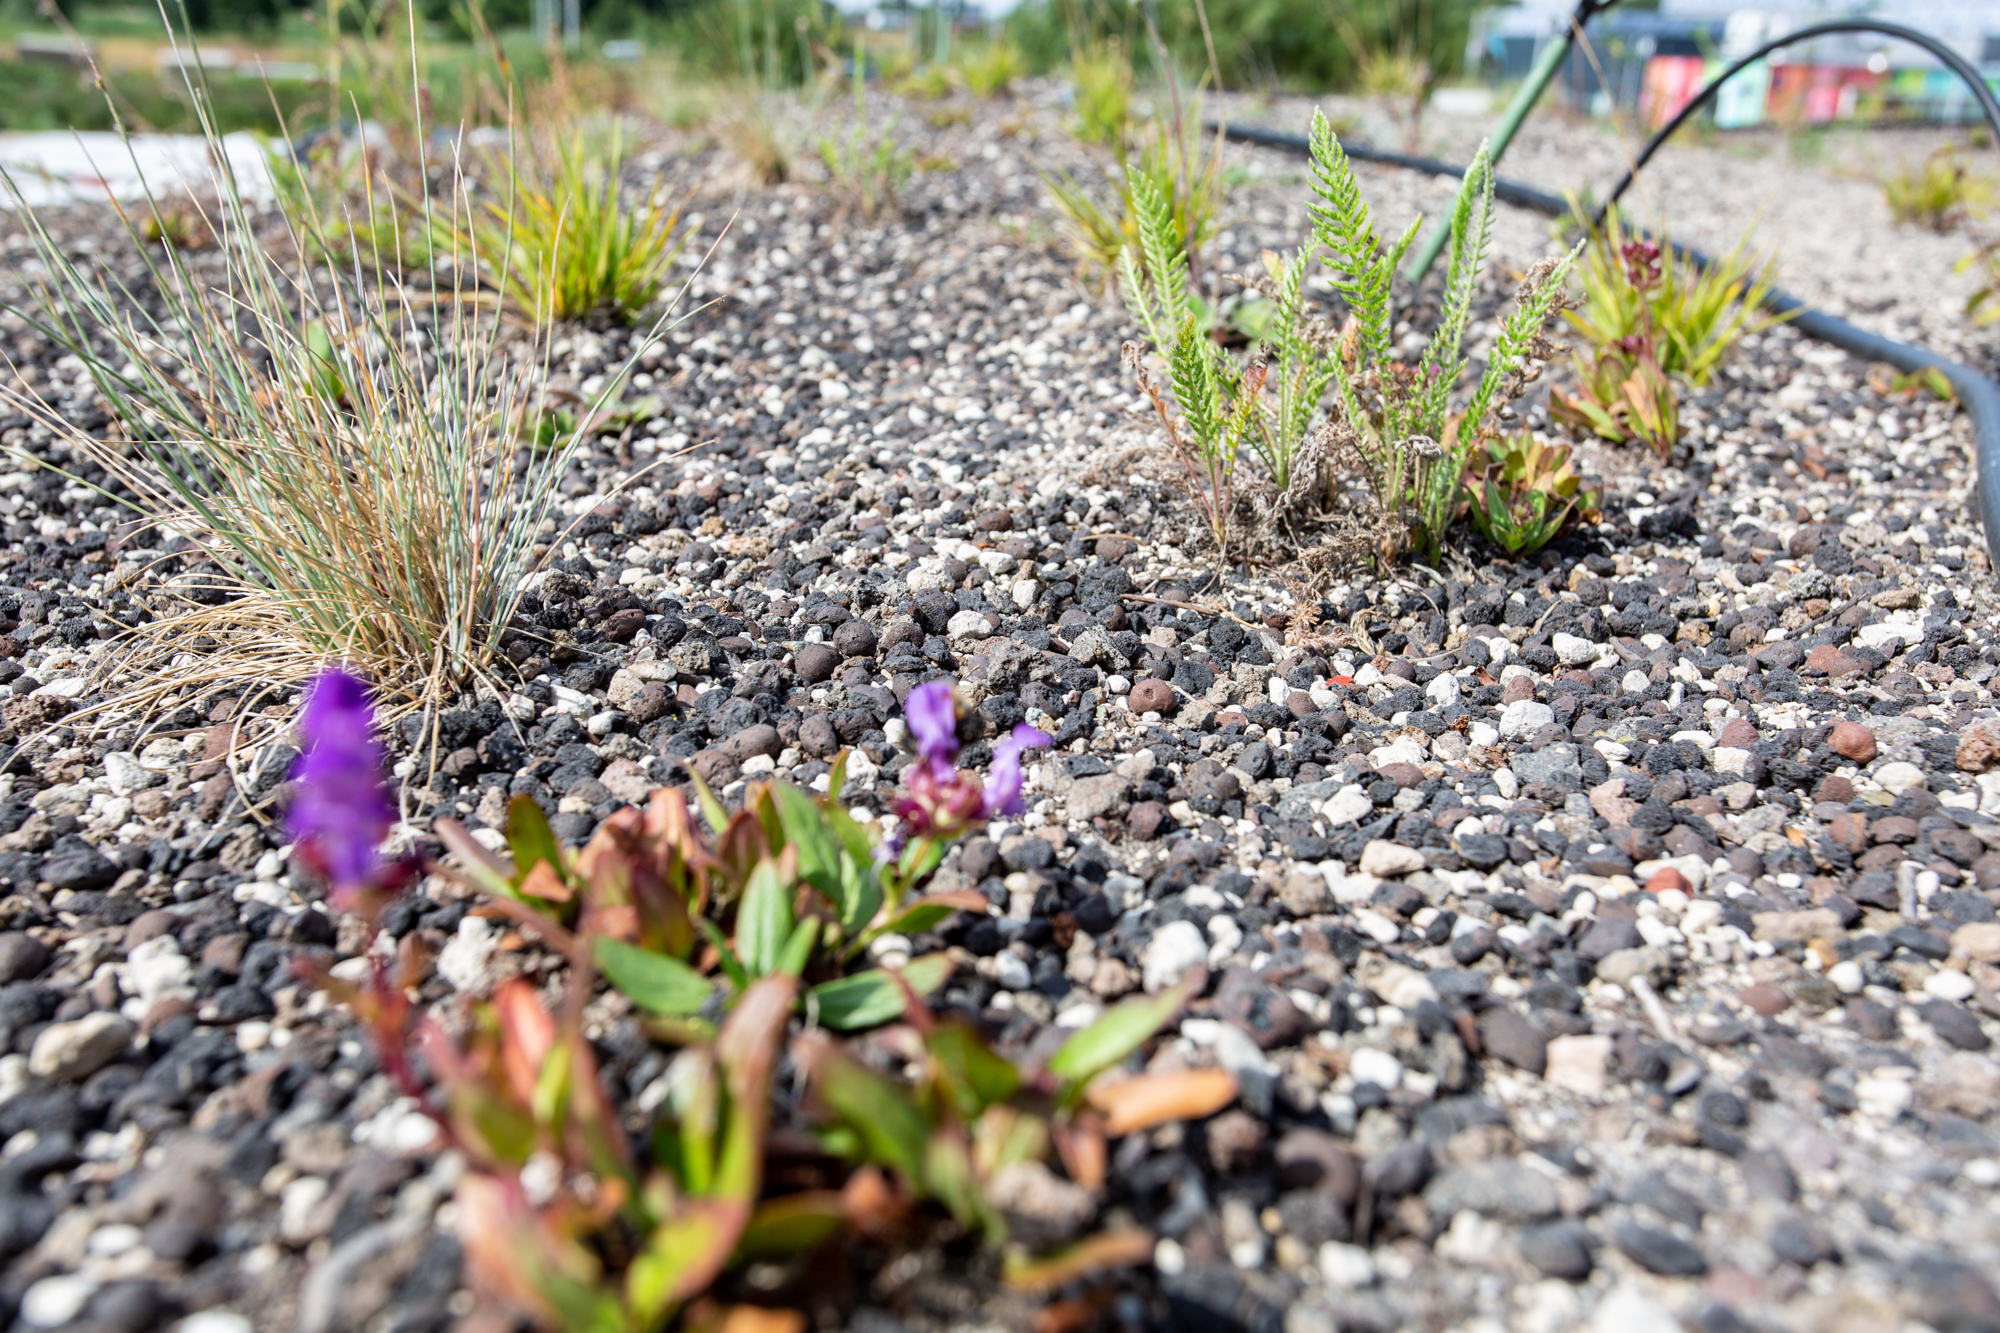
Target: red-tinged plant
[
  {"x": 789, "y": 885},
  {"x": 561, "y": 1220},
  {"x": 1525, "y": 493},
  {"x": 971, "y": 1115}
]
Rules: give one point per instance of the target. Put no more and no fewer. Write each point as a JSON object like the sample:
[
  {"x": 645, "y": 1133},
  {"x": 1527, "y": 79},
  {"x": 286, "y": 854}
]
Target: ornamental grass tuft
[{"x": 340, "y": 443}]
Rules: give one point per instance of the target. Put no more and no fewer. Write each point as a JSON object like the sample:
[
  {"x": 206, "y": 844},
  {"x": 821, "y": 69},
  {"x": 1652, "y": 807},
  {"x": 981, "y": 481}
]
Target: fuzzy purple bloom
[
  {"x": 1003, "y": 779},
  {"x": 933, "y": 720},
  {"x": 342, "y": 811}
]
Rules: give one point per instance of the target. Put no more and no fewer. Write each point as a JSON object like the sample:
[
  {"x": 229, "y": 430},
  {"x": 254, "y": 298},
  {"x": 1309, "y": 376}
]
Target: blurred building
[{"x": 1654, "y": 60}]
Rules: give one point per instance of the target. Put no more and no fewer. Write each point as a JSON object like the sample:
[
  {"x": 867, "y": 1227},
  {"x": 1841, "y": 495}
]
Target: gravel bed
[{"x": 1601, "y": 941}]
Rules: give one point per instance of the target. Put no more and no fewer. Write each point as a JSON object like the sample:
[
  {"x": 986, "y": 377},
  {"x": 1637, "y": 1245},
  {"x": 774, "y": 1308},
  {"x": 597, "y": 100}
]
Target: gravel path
[{"x": 1606, "y": 941}]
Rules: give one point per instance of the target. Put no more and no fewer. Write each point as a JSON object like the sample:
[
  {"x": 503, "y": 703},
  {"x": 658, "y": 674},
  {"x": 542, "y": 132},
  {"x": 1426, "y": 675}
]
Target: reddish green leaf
[
  {"x": 1118, "y": 1033},
  {"x": 653, "y": 981},
  {"x": 873, "y": 997},
  {"x": 529, "y": 838}
]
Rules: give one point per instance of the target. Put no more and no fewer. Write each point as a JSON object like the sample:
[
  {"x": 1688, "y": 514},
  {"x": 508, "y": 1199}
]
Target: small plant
[
  {"x": 1396, "y": 419},
  {"x": 787, "y": 884},
  {"x": 762, "y": 132},
  {"x": 990, "y": 71},
  {"x": 178, "y": 223},
  {"x": 970, "y": 1120},
  {"x": 931, "y": 83},
  {"x": 1525, "y": 493},
  {"x": 1983, "y": 306},
  {"x": 346, "y": 210},
  {"x": 1693, "y": 317},
  {"x": 1101, "y": 78},
  {"x": 559, "y": 243},
  {"x": 1391, "y": 420},
  {"x": 1214, "y": 402},
  {"x": 1939, "y": 194},
  {"x": 371, "y": 507},
  {"x": 1182, "y": 168},
  {"x": 1647, "y": 319},
  {"x": 866, "y": 167},
  {"x": 567, "y": 1222}
]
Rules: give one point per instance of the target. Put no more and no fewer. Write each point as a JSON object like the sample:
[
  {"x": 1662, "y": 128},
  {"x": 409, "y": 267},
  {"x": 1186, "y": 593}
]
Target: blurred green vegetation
[
  {"x": 45, "y": 96},
  {"x": 1317, "y": 45}
]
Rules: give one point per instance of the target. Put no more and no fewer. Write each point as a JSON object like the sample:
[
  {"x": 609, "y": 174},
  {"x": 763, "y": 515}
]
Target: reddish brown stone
[
  {"x": 1851, "y": 740},
  {"x": 1300, "y": 704},
  {"x": 224, "y": 953},
  {"x": 1153, "y": 696},
  {"x": 1737, "y": 734},
  {"x": 1147, "y": 821},
  {"x": 716, "y": 768},
  {"x": 208, "y": 802},
  {"x": 997, "y": 521},
  {"x": 1979, "y": 750},
  {"x": 1765, "y": 998},
  {"x": 1894, "y": 828},
  {"x": 1403, "y": 775},
  {"x": 1827, "y": 660},
  {"x": 1835, "y": 789},
  {"x": 1114, "y": 548},
  {"x": 1666, "y": 877},
  {"x": 1850, "y": 830},
  {"x": 1517, "y": 689}
]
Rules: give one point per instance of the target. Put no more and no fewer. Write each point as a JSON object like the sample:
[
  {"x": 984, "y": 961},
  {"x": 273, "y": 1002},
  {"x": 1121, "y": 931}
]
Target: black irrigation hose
[{"x": 1976, "y": 392}]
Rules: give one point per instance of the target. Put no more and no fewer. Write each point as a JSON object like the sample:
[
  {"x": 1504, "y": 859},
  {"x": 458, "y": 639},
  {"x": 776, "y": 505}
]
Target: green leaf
[
  {"x": 484, "y": 868},
  {"x": 763, "y": 920},
  {"x": 972, "y": 1074},
  {"x": 836, "y": 777},
  {"x": 792, "y": 1224},
  {"x": 869, "y": 998},
  {"x": 798, "y": 948},
  {"x": 711, "y": 809},
  {"x": 949, "y": 1177},
  {"x": 919, "y": 859},
  {"x": 732, "y": 966},
  {"x": 883, "y": 1115},
  {"x": 806, "y": 829},
  {"x": 858, "y": 841},
  {"x": 653, "y": 981},
  {"x": 1121, "y": 1031},
  {"x": 683, "y": 1255},
  {"x": 530, "y": 839},
  {"x": 927, "y": 911}
]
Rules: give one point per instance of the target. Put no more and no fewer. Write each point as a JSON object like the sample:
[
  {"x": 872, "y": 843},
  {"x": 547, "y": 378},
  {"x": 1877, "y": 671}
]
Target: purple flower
[
  {"x": 933, "y": 719},
  {"x": 342, "y": 812},
  {"x": 1003, "y": 780}
]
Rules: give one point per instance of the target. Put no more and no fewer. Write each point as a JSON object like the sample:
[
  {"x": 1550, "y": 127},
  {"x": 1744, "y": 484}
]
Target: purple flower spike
[
  {"x": 933, "y": 721},
  {"x": 342, "y": 812},
  {"x": 1003, "y": 781}
]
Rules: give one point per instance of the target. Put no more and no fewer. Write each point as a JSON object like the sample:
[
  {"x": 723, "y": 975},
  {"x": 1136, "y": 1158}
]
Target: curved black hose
[
  {"x": 1979, "y": 395},
  {"x": 1951, "y": 60},
  {"x": 1976, "y": 391}
]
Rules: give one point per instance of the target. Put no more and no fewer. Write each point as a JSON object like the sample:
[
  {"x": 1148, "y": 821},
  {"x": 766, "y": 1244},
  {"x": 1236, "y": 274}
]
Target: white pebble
[
  {"x": 1345, "y": 1265},
  {"x": 214, "y": 1321},
  {"x": 1949, "y": 985},
  {"x": 1883, "y": 1098},
  {"x": 55, "y": 1301},
  {"x": 1369, "y": 1065},
  {"x": 1847, "y": 977}
]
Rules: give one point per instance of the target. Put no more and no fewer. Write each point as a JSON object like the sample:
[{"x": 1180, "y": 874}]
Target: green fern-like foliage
[
  {"x": 1206, "y": 384},
  {"x": 1412, "y": 447}
]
